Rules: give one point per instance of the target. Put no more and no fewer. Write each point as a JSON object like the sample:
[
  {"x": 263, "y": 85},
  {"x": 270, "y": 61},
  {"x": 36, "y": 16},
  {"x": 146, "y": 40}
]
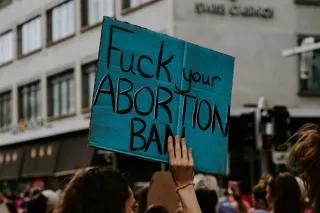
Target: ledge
[
  {"x": 128, "y": 10},
  {"x": 51, "y": 118},
  {"x": 89, "y": 27},
  {"x": 52, "y": 43},
  {"x": 22, "y": 56}
]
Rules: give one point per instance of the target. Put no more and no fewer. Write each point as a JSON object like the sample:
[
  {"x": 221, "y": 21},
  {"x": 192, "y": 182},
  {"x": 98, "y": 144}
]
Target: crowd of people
[{"x": 100, "y": 190}]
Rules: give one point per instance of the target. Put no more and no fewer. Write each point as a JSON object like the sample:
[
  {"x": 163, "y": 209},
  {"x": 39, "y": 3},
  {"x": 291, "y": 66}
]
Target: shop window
[
  {"x": 88, "y": 78},
  {"x": 61, "y": 22},
  {"x": 308, "y": 2},
  {"x": 61, "y": 94},
  {"x": 6, "y": 47},
  {"x": 30, "y": 103},
  {"x": 309, "y": 67},
  {"x": 92, "y": 11},
  {"x": 5, "y": 110},
  {"x": 29, "y": 36}
]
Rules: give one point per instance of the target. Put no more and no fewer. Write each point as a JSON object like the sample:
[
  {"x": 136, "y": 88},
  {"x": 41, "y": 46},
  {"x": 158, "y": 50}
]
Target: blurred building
[{"x": 48, "y": 54}]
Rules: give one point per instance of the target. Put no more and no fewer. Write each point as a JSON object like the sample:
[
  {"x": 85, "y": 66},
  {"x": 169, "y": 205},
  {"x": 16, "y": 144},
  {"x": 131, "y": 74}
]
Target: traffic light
[
  {"x": 266, "y": 128},
  {"x": 281, "y": 125},
  {"x": 247, "y": 128}
]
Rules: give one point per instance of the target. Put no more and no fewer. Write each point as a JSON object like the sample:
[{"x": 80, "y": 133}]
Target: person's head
[
  {"x": 38, "y": 204},
  {"x": 283, "y": 194},
  {"x": 207, "y": 199},
  {"x": 156, "y": 209},
  {"x": 97, "y": 190},
  {"x": 304, "y": 158},
  {"x": 259, "y": 196}
]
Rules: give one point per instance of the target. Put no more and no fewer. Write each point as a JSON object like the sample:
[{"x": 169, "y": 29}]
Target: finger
[
  {"x": 191, "y": 162},
  {"x": 177, "y": 148},
  {"x": 170, "y": 148},
  {"x": 184, "y": 149}
]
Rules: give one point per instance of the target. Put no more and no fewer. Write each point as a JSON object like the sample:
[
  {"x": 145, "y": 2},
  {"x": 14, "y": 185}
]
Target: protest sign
[{"x": 150, "y": 85}]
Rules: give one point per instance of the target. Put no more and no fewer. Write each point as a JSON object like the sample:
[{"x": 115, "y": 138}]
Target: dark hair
[
  {"x": 285, "y": 193},
  {"x": 156, "y": 209},
  {"x": 95, "y": 190},
  {"x": 207, "y": 199},
  {"x": 259, "y": 194},
  {"x": 38, "y": 204}
]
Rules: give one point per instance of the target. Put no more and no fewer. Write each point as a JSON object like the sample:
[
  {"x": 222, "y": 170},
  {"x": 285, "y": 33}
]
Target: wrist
[{"x": 185, "y": 186}]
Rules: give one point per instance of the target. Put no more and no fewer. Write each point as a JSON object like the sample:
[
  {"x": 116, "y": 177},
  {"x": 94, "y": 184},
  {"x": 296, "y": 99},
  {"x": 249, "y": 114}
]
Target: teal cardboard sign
[{"x": 150, "y": 85}]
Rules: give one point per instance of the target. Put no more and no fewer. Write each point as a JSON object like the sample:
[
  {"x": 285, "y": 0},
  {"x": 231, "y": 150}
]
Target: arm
[{"x": 181, "y": 167}]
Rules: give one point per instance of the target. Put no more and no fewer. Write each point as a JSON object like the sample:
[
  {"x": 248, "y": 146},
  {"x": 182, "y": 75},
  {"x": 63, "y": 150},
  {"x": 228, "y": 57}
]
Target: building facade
[{"x": 49, "y": 49}]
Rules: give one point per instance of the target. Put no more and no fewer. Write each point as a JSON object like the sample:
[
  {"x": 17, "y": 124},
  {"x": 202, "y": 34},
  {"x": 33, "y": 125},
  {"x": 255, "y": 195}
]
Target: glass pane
[
  {"x": 37, "y": 33},
  {"x": 1, "y": 112},
  {"x": 316, "y": 71},
  {"x": 64, "y": 21},
  {"x": 91, "y": 86},
  {"x": 5, "y": 112},
  {"x": 25, "y": 103},
  {"x": 64, "y": 98},
  {"x": 55, "y": 24},
  {"x": 38, "y": 100},
  {"x": 6, "y": 47},
  {"x": 70, "y": 18},
  {"x": 24, "y": 39},
  {"x": 33, "y": 105},
  {"x": 134, "y": 3},
  {"x": 108, "y": 8},
  {"x": 72, "y": 94},
  {"x": 55, "y": 99}
]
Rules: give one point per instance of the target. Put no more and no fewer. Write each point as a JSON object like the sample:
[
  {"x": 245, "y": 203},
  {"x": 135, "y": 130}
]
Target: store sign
[
  {"x": 150, "y": 85},
  {"x": 234, "y": 10}
]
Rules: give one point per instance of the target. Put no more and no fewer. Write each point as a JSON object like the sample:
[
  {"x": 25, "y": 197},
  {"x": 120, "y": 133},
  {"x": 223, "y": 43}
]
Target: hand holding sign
[{"x": 181, "y": 162}]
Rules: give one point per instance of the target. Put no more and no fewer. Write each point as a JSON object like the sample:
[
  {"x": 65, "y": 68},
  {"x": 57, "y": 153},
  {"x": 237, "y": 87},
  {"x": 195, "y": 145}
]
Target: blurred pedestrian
[
  {"x": 97, "y": 190},
  {"x": 283, "y": 194},
  {"x": 207, "y": 199},
  {"x": 37, "y": 204},
  {"x": 304, "y": 158},
  {"x": 260, "y": 203},
  {"x": 206, "y": 187},
  {"x": 51, "y": 199},
  {"x": 233, "y": 202}
]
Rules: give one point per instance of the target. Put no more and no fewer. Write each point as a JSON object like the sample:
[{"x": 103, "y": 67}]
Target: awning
[
  {"x": 10, "y": 162},
  {"x": 40, "y": 158},
  {"x": 74, "y": 153}
]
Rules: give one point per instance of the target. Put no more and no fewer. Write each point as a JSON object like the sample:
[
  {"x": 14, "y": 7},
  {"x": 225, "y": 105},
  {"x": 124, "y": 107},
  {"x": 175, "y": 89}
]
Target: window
[
  {"x": 134, "y": 3},
  {"x": 29, "y": 102},
  {"x": 309, "y": 67},
  {"x": 61, "y": 94},
  {"x": 6, "y": 47},
  {"x": 5, "y": 110},
  {"x": 92, "y": 11},
  {"x": 29, "y": 35},
  {"x": 61, "y": 21},
  {"x": 88, "y": 78},
  {"x": 308, "y": 2}
]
